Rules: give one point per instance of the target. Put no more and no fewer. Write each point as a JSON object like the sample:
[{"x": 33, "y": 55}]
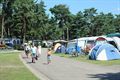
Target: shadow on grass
[{"x": 107, "y": 76}]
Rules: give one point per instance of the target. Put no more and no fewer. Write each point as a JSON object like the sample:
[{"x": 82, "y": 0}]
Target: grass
[
  {"x": 11, "y": 68},
  {"x": 84, "y": 58}
]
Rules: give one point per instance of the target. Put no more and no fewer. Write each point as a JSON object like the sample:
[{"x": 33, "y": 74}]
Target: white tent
[
  {"x": 56, "y": 46},
  {"x": 104, "y": 52}
]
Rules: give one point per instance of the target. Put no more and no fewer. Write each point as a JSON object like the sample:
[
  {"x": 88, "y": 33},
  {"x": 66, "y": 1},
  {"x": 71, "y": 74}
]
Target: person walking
[
  {"x": 38, "y": 52},
  {"x": 49, "y": 56},
  {"x": 33, "y": 53},
  {"x": 27, "y": 49}
]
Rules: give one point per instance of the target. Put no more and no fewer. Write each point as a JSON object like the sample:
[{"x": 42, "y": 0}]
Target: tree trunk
[
  {"x": 67, "y": 34},
  {"x": 8, "y": 32},
  {"x": 24, "y": 30},
  {"x": 2, "y": 32}
]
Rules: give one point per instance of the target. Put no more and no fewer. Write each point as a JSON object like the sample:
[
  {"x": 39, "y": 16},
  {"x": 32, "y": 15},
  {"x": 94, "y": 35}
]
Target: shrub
[{"x": 18, "y": 47}]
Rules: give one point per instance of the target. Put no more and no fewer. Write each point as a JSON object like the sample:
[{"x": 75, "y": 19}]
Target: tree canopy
[{"x": 28, "y": 20}]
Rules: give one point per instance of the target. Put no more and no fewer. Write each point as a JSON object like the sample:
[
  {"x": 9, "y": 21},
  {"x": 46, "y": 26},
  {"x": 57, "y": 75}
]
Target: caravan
[
  {"x": 81, "y": 44},
  {"x": 115, "y": 41},
  {"x": 87, "y": 43}
]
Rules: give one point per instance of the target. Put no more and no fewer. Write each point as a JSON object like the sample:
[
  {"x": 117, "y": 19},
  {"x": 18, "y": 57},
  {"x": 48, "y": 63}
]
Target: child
[{"x": 49, "y": 56}]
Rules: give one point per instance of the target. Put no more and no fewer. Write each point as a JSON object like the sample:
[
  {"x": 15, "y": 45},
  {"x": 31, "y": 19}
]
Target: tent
[
  {"x": 56, "y": 46},
  {"x": 62, "y": 49},
  {"x": 104, "y": 52},
  {"x": 59, "y": 48}
]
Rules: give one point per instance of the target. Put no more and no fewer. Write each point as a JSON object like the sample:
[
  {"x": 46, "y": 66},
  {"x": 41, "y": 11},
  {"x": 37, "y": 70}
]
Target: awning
[{"x": 114, "y": 35}]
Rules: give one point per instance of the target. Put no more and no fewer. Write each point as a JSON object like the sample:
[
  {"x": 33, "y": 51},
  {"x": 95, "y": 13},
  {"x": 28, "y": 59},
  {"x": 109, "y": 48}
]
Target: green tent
[{"x": 114, "y": 35}]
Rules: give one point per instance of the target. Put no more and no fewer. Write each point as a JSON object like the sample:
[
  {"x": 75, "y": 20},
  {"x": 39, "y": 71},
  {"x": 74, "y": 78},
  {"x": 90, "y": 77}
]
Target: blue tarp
[{"x": 73, "y": 48}]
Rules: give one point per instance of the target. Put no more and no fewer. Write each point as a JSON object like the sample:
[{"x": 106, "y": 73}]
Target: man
[{"x": 33, "y": 53}]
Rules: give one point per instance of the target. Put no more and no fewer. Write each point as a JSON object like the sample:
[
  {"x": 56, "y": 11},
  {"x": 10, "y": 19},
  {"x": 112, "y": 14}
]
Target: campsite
[
  {"x": 100, "y": 48},
  {"x": 86, "y": 58},
  {"x": 59, "y": 40}
]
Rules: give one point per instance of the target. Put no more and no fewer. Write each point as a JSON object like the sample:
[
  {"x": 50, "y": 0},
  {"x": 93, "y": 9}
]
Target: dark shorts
[
  {"x": 26, "y": 51},
  {"x": 33, "y": 55}
]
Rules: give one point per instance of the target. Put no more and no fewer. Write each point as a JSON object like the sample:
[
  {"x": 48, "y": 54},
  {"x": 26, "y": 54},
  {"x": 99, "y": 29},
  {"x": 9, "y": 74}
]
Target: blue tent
[
  {"x": 61, "y": 49},
  {"x": 104, "y": 52}
]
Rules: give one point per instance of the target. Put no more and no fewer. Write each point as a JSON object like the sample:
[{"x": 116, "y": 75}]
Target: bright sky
[{"x": 75, "y": 6}]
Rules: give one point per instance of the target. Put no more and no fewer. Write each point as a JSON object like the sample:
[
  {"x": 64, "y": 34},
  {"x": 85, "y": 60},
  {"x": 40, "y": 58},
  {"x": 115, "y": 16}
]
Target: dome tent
[
  {"x": 59, "y": 48},
  {"x": 104, "y": 52}
]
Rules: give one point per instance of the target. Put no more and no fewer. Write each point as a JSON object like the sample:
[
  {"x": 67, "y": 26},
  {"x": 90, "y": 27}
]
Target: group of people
[{"x": 35, "y": 52}]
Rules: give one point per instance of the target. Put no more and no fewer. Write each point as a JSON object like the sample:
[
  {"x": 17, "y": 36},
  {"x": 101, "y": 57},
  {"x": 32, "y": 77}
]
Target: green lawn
[
  {"x": 11, "y": 68},
  {"x": 84, "y": 58}
]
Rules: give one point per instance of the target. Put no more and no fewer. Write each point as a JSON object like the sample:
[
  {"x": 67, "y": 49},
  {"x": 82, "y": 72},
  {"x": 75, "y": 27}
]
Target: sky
[{"x": 75, "y": 6}]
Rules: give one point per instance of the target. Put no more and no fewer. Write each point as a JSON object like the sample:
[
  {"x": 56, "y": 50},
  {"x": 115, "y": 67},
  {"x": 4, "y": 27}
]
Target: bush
[{"x": 18, "y": 47}]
